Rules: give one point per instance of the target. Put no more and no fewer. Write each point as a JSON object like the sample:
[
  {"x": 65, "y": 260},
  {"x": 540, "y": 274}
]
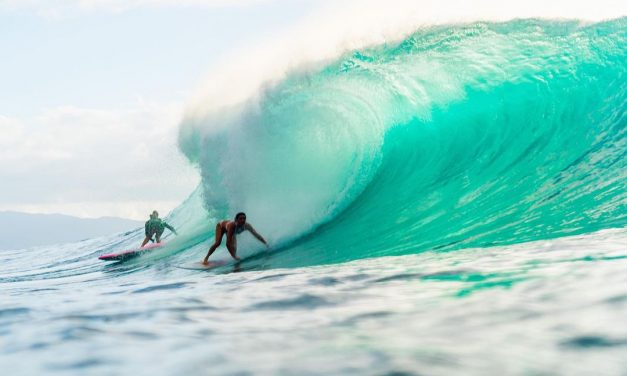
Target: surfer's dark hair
[{"x": 238, "y": 215}]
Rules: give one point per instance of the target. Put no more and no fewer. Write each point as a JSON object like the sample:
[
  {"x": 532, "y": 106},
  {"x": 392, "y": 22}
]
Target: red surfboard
[{"x": 130, "y": 253}]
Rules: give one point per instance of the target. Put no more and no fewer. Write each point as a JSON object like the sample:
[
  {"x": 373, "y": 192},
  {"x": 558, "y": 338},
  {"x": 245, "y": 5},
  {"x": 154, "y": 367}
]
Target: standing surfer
[
  {"x": 232, "y": 228},
  {"x": 155, "y": 226}
]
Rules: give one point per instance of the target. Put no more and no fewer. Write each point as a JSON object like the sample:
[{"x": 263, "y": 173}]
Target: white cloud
[
  {"x": 94, "y": 162},
  {"x": 11, "y": 131}
]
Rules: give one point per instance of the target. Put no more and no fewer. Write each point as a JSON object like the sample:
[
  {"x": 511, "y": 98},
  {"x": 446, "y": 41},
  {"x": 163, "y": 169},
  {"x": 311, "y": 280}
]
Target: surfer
[
  {"x": 232, "y": 228},
  {"x": 155, "y": 226}
]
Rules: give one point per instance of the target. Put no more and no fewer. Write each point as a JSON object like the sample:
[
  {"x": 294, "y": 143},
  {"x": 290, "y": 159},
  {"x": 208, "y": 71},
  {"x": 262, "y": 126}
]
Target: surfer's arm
[
  {"x": 256, "y": 234},
  {"x": 170, "y": 228},
  {"x": 231, "y": 245}
]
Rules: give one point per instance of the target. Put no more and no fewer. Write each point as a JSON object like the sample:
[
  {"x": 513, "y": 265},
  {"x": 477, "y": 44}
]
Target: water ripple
[
  {"x": 169, "y": 286},
  {"x": 305, "y": 301}
]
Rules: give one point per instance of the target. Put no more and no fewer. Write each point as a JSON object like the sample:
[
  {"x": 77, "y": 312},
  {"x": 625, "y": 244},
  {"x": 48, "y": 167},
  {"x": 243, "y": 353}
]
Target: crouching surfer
[
  {"x": 155, "y": 226},
  {"x": 231, "y": 229}
]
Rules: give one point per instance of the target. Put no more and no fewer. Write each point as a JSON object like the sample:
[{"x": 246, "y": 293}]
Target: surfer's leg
[
  {"x": 215, "y": 244},
  {"x": 158, "y": 235},
  {"x": 146, "y": 239}
]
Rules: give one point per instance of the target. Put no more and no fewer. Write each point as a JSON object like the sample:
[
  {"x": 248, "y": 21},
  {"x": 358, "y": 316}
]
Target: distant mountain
[{"x": 22, "y": 230}]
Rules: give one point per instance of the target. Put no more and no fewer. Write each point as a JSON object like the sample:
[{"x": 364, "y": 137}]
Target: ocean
[{"x": 453, "y": 202}]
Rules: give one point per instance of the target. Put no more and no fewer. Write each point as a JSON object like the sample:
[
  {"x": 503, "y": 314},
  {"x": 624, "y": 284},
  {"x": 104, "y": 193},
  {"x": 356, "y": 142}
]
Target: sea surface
[{"x": 454, "y": 202}]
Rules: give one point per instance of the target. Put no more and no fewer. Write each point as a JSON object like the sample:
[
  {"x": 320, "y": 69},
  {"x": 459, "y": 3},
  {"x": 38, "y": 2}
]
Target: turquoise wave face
[{"x": 465, "y": 136}]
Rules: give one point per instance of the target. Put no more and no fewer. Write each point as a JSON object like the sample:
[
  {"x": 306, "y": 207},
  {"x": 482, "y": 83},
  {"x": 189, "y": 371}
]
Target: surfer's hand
[
  {"x": 237, "y": 258},
  {"x": 205, "y": 262}
]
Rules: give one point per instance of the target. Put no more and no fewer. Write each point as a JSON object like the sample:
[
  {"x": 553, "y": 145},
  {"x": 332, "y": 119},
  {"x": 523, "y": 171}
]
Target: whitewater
[{"x": 441, "y": 197}]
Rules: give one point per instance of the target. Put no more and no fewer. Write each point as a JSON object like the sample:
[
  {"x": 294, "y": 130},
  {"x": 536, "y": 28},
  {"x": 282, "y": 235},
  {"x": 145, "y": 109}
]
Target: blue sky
[
  {"x": 104, "y": 57},
  {"x": 93, "y": 92}
]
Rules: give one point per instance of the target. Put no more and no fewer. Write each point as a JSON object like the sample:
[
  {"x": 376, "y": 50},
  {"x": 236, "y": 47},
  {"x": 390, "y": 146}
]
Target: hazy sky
[{"x": 92, "y": 92}]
